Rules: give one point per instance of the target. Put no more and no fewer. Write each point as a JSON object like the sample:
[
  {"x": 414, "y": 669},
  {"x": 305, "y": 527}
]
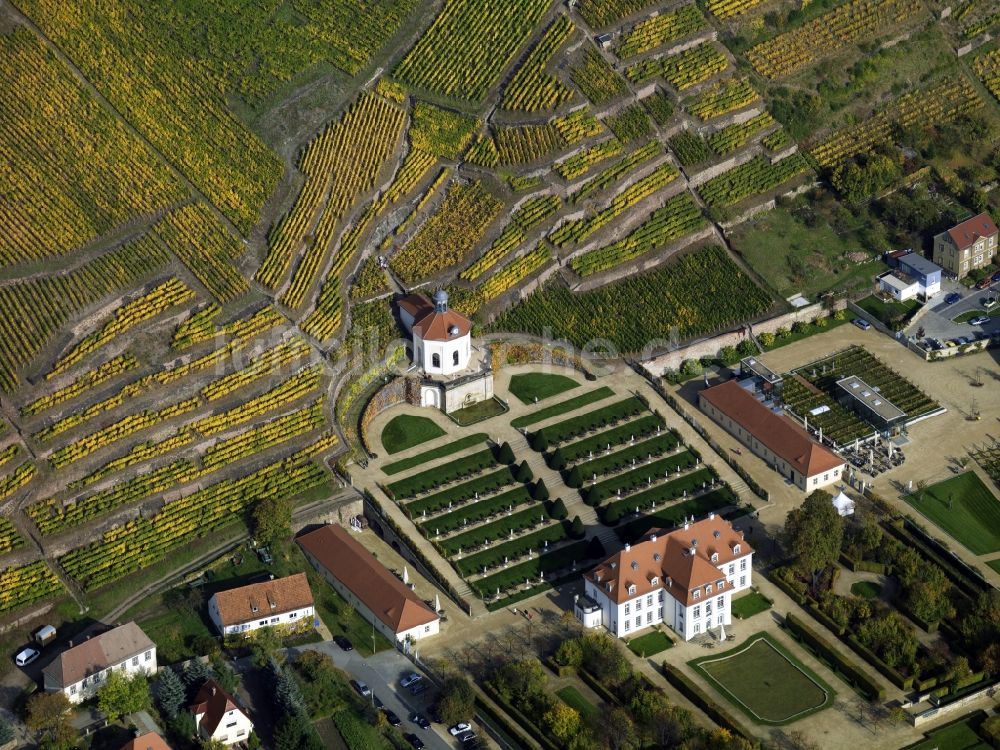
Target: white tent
[{"x": 843, "y": 504}]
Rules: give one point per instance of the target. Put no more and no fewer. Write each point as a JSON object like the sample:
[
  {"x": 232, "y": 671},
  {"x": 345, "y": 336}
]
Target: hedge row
[
  {"x": 592, "y": 420},
  {"x": 562, "y": 407},
  {"x": 439, "y": 476},
  {"x": 701, "y": 699},
  {"x": 865, "y": 566},
  {"x": 461, "y": 493},
  {"x": 533, "y": 730},
  {"x": 503, "y": 722},
  {"x": 851, "y": 672},
  {"x": 892, "y": 674}
]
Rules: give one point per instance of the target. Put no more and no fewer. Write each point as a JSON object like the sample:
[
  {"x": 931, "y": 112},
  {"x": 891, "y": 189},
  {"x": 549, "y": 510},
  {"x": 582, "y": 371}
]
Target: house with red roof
[
  {"x": 217, "y": 715},
  {"x": 374, "y": 592},
  {"x": 684, "y": 578},
  {"x": 147, "y": 741},
  {"x": 775, "y": 437},
  {"x": 967, "y": 246},
  {"x": 280, "y": 602}
]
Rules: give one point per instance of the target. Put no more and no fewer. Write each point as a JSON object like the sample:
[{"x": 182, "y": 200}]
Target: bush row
[
  {"x": 701, "y": 699},
  {"x": 439, "y": 476},
  {"x": 848, "y": 669}
]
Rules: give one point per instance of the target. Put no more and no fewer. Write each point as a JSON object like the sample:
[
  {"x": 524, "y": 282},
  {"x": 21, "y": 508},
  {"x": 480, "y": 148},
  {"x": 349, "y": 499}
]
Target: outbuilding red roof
[
  {"x": 969, "y": 231},
  {"x": 349, "y": 562},
  {"x": 147, "y": 741},
  {"x": 780, "y": 434}
]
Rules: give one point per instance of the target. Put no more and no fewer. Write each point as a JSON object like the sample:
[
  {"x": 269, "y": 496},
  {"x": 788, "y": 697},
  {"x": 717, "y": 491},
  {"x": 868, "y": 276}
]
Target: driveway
[
  {"x": 938, "y": 322},
  {"x": 382, "y": 673}
]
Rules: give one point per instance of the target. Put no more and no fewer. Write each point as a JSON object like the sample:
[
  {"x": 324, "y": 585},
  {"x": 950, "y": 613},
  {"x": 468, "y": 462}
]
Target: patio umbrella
[
  {"x": 437, "y": 603},
  {"x": 406, "y": 575},
  {"x": 722, "y": 632}
]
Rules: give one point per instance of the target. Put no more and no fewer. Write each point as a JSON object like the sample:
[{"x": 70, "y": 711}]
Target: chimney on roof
[
  {"x": 711, "y": 516},
  {"x": 652, "y": 537}
]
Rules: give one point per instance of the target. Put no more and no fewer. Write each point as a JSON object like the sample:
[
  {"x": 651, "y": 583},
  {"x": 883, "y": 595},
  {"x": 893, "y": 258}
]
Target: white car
[
  {"x": 458, "y": 729},
  {"x": 411, "y": 679},
  {"x": 25, "y": 657},
  {"x": 980, "y": 320}
]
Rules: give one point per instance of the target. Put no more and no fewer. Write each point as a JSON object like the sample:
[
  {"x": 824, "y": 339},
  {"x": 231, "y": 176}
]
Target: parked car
[
  {"x": 418, "y": 687},
  {"x": 458, "y": 729},
  {"x": 996, "y": 276},
  {"x": 863, "y": 324},
  {"x": 420, "y": 720},
  {"x": 26, "y": 656},
  {"x": 362, "y": 688},
  {"x": 467, "y": 737},
  {"x": 980, "y": 320},
  {"x": 414, "y": 740},
  {"x": 391, "y": 717},
  {"x": 344, "y": 643},
  {"x": 985, "y": 283},
  {"x": 952, "y": 298},
  {"x": 378, "y": 703},
  {"x": 410, "y": 679}
]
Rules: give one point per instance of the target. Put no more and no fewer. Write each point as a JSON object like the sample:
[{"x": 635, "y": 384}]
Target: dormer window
[
  {"x": 654, "y": 581},
  {"x": 631, "y": 588},
  {"x": 722, "y": 584},
  {"x": 736, "y": 548},
  {"x": 715, "y": 557},
  {"x": 708, "y": 588},
  {"x": 696, "y": 594}
]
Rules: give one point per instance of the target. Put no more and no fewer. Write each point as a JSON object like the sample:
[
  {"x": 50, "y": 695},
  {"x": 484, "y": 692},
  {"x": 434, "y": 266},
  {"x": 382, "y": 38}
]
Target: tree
[
  {"x": 604, "y": 658},
  {"x": 287, "y": 696},
  {"x": 123, "y": 694},
  {"x": 569, "y": 653},
  {"x": 891, "y": 638},
  {"x": 595, "y": 549},
  {"x": 212, "y": 744},
  {"x": 265, "y": 642},
  {"x": 272, "y": 519},
  {"x": 457, "y": 701},
  {"x": 195, "y": 675},
  {"x": 226, "y": 676},
  {"x": 813, "y": 533},
  {"x": 523, "y": 473},
  {"x": 574, "y": 478},
  {"x": 540, "y": 492},
  {"x": 556, "y": 460},
  {"x": 520, "y": 681},
  {"x": 577, "y": 531},
  {"x": 49, "y": 717},
  {"x": 619, "y": 730},
  {"x": 170, "y": 692},
  {"x": 538, "y": 441},
  {"x": 557, "y": 509},
  {"x": 505, "y": 453},
  {"x": 6, "y": 732},
  {"x": 562, "y": 721}
]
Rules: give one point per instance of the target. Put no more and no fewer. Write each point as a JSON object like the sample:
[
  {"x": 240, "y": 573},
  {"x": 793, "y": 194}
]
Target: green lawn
[
  {"x": 965, "y": 508},
  {"x": 406, "y": 431},
  {"x": 532, "y": 386},
  {"x": 968, "y": 315},
  {"x": 562, "y": 407},
  {"x": 650, "y": 644},
  {"x": 995, "y": 564},
  {"x": 750, "y": 604},
  {"x": 574, "y": 699},
  {"x": 765, "y": 681},
  {"x": 807, "y": 330},
  {"x": 792, "y": 257},
  {"x": 478, "y": 412},
  {"x": 886, "y": 312},
  {"x": 958, "y": 736},
  {"x": 866, "y": 589},
  {"x": 452, "y": 446}
]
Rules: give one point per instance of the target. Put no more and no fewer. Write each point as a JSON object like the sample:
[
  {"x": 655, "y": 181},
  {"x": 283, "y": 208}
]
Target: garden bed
[{"x": 562, "y": 407}]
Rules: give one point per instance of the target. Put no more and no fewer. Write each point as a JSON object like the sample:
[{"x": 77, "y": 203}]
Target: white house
[
  {"x": 899, "y": 285},
  {"x": 685, "y": 578},
  {"x": 282, "y": 601},
  {"x": 81, "y": 670},
  {"x": 455, "y": 373},
  {"x": 218, "y": 717},
  {"x": 364, "y": 582}
]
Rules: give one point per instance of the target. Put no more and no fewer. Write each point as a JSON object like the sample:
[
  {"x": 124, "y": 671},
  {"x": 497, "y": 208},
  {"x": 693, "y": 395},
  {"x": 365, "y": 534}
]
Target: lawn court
[
  {"x": 406, "y": 431},
  {"x": 650, "y": 644},
  {"x": 765, "y": 681},
  {"x": 532, "y": 386},
  {"x": 965, "y": 508}
]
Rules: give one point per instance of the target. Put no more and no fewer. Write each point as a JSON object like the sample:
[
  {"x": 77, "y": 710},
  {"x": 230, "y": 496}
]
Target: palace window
[
  {"x": 743, "y": 564},
  {"x": 454, "y": 357},
  {"x": 436, "y": 360},
  {"x": 628, "y": 609}
]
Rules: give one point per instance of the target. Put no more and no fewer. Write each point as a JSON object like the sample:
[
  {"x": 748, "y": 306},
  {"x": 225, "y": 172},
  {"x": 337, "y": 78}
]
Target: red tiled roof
[
  {"x": 780, "y": 434},
  {"x": 350, "y": 563},
  {"x": 276, "y": 597},
  {"x": 148, "y": 741},
  {"x": 214, "y": 703},
  {"x": 965, "y": 234},
  {"x": 436, "y": 326},
  {"x": 98, "y": 653},
  {"x": 416, "y": 305},
  {"x": 668, "y": 558}
]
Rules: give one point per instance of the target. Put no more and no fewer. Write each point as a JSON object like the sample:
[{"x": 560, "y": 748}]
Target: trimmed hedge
[
  {"x": 487, "y": 709},
  {"x": 562, "y": 407},
  {"x": 534, "y": 731},
  {"x": 459, "y": 493},
  {"x": 850, "y": 671},
  {"x": 475, "y": 512},
  {"x": 431, "y": 479},
  {"x": 594, "y": 684},
  {"x": 701, "y": 699},
  {"x": 865, "y": 566},
  {"x": 892, "y": 674},
  {"x": 640, "y": 428},
  {"x": 592, "y": 420}
]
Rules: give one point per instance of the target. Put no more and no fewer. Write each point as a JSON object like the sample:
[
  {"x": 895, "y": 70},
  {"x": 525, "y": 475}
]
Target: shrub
[
  {"x": 558, "y": 510},
  {"x": 576, "y": 531},
  {"x": 524, "y": 473},
  {"x": 728, "y": 355},
  {"x": 505, "y": 454},
  {"x": 767, "y": 339},
  {"x": 573, "y": 477},
  {"x": 691, "y": 367},
  {"x": 538, "y": 441},
  {"x": 595, "y": 549},
  {"x": 540, "y": 492}
]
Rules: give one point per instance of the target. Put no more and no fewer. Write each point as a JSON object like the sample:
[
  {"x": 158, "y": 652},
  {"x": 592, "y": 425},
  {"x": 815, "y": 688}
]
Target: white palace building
[{"x": 685, "y": 578}]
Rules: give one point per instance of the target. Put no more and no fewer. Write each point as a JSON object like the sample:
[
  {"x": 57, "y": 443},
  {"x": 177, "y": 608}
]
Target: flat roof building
[{"x": 867, "y": 402}]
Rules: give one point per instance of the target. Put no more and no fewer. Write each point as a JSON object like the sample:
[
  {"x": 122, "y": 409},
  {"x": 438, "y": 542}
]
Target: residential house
[
  {"x": 284, "y": 601},
  {"x": 217, "y": 716},
  {"x": 775, "y": 437},
  {"x": 685, "y": 578},
  {"x": 147, "y": 741},
  {"x": 364, "y": 582},
  {"x": 967, "y": 246},
  {"x": 82, "y": 669}
]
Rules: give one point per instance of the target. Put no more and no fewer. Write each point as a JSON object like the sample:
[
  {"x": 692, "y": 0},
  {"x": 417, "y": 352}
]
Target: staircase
[{"x": 742, "y": 489}]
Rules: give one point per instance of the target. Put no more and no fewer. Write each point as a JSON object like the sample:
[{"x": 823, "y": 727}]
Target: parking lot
[{"x": 939, "y": 321}]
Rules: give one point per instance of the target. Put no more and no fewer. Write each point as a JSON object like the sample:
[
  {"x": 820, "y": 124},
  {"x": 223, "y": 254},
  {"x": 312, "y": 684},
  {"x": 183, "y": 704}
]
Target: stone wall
[{"x": 710, "y": 346}]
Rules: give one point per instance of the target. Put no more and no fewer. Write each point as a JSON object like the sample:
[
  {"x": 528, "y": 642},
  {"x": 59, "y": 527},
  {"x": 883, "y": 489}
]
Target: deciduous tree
[
  {"x": 49, "y": 717},
  {"x": 123, "y": 694},
  {"x": 813, "y": 533},
  {"x": 457, "y": 701},
  {"x": 272, "y": 519}
]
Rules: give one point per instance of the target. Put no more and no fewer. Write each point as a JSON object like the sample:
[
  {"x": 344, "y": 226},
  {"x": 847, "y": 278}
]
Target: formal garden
[
  {"x": 965, "y": 508},
  {"x": 764, "y": 680}
]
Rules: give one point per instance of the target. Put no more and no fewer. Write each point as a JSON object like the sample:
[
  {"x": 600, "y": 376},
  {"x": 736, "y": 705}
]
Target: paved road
[
  {"x": 382, "y": 673},
  {"x": 938, "y": 321}
]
